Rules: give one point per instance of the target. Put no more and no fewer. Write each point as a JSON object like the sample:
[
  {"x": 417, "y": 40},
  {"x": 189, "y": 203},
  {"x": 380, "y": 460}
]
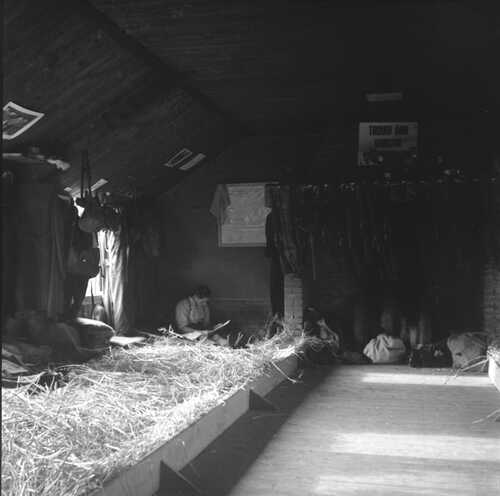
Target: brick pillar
[
  {"x": 294, "y": 300},
  {"x": 491, "y": 298}
]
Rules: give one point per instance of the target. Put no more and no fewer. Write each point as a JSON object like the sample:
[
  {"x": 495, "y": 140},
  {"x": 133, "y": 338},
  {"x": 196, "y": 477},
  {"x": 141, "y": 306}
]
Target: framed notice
[
  {"x": 245, "y": 219},
  {"x": 386, "y": 142}
]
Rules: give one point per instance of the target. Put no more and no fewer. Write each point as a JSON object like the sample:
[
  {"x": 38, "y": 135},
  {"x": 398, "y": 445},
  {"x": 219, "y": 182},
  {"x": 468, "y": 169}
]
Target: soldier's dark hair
[{"x": 202, "y": 291}]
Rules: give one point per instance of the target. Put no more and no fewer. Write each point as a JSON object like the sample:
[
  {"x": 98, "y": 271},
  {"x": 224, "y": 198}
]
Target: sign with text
[{"x": 381, "y": 142}]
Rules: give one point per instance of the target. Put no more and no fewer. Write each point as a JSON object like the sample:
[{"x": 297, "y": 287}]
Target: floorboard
[{"x": 363, "y": 430}]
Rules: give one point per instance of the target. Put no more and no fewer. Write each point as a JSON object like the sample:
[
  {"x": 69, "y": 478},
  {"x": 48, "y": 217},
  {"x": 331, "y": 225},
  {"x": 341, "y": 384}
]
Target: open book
[{"x": 194, "y": 335}]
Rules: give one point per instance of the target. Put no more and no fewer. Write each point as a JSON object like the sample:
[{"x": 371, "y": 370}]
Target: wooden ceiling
[
  {"x": 103, "y": 92},
  {"x": 296, "y": 65},
  {"x": 135, "y": 81}
]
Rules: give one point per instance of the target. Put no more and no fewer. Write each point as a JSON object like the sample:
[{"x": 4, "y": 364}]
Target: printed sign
[{"x": 380, "y": 142}]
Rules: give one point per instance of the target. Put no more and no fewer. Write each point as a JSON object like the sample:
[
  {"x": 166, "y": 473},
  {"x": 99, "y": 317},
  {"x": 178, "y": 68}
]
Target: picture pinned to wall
[
  {"x": 244, "y": 222},
  {"x": 17, "y": 119},
  {"x": 386, "y": 143}
]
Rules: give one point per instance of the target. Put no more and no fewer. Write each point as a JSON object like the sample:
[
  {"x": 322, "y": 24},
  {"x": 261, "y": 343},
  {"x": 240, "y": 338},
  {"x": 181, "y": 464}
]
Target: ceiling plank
[
  {"x": 280, "y": 62},
  {"x": 167, "y": 75},
  {"x": 100, "y": 94}
]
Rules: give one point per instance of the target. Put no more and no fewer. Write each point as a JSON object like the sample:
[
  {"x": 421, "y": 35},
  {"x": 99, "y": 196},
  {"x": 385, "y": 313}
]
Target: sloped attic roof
[
  {"x": 135, "y": 81},
  {"x": 283, "y": 66},
  {"x": 102, "y": 91}
]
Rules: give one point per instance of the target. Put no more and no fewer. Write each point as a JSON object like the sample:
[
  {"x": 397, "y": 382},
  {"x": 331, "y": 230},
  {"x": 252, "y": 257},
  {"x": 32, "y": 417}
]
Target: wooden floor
[
  {"x": 367, "y": 430},
  {"x": 385, "y": 430}
]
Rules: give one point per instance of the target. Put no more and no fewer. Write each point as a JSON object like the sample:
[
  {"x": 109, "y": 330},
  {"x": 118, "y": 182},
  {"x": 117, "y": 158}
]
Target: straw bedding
[
  {"x": 494, "y": 350},
  {"x": 115, "y": 410}
]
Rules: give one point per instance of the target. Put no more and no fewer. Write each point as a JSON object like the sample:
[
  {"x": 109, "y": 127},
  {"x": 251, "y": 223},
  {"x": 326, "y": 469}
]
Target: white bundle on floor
[
  {"x": 385, "y": 349},
  {"x": 466, "y": 348}
]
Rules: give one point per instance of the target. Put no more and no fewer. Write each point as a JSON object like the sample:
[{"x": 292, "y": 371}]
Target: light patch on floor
[
  {"x": 425, "y": 482},
  {"x": 442, "y": 379},
  {"x": 385, "y": 430},
  {"x": 436, "y": 447}
]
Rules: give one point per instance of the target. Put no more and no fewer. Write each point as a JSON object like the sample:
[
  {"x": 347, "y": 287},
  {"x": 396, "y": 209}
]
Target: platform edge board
[
  {"x": 143, "y": 479},
  {"x": 494, "y": 372},
  {"x": 280, "y": 372}
]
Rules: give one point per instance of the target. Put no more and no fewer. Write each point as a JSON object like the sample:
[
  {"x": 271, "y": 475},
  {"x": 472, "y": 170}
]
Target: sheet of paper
[
  {"x": 192, "y": 336},
  {"x": 220, "y": 326},
  {"x": 125, "y": 340}
]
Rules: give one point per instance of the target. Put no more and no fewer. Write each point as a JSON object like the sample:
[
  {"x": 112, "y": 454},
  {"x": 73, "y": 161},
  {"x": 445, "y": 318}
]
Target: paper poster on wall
[
  {"x": 16, "y": 120},
  {"x": 385, "y": 142},
  {"x": 246, "y": 214}
]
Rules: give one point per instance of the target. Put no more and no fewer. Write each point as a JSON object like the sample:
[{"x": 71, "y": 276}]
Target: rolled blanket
[
  {"x": 93, "y": 333},
  {"x": 466, "y": 348}
]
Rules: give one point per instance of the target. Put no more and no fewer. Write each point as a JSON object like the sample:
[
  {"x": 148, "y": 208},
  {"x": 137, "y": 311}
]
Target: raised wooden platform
[
  {"x": 383, "y": 430},
  {"x": 144, "y": 478}
]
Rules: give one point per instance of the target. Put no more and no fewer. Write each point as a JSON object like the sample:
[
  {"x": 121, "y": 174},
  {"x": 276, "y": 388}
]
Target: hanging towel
[{"x": 220, "y": 203}]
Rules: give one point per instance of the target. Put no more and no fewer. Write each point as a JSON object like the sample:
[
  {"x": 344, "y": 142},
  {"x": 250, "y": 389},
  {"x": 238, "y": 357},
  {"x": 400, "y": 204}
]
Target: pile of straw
[
  {"x": 115, "y": 410},
  {"x": 494, "y": 350}
]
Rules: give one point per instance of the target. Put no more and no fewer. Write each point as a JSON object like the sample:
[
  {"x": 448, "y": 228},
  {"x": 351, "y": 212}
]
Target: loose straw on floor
[{"x": 115, "y": 410}]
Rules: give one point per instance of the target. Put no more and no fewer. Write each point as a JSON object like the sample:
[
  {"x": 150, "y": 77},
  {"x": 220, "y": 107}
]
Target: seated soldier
[
  {"x": 324, "y": 346},
  {"x": 315, "y": 325},
  {"x": 192, "y": 315}
]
